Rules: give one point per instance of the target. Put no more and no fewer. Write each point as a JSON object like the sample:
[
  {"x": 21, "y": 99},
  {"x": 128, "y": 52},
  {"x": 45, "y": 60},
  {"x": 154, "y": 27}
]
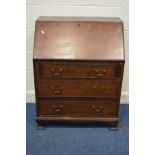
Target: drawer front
[
  {"x": 77, "y": 108},
  {"x": 52, "y": 88},
  {"x": 78, "y": 70}
]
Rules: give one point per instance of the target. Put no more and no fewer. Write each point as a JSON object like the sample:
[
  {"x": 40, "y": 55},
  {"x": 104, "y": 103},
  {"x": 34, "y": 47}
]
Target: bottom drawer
[{"x": 78, "y": 108}]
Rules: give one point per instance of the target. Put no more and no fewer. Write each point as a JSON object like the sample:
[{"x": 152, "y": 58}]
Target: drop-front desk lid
[{"x": 74, "y": 38}]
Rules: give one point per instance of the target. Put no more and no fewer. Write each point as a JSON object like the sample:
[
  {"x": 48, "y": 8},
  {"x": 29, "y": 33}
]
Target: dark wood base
[
  {"x": 40, "y": 126},
  {"x": 44, "y": 121},
  {"x": 113, "y": 128}
]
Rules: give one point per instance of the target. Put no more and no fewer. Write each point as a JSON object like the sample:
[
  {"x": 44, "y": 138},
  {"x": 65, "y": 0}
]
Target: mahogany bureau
[{"x": 78, "y": 70}]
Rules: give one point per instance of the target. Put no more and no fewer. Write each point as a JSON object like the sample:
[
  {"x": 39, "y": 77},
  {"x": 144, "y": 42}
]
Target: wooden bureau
[{"x": 78, "y": 70}]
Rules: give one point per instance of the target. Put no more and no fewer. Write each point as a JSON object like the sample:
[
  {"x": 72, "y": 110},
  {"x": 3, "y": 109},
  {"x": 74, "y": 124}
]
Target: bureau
[{"x": 78, "y": 70}]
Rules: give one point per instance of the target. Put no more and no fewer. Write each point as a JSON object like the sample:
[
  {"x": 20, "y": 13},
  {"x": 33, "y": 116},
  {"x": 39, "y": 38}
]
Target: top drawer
[{"x": 60, "y": 69}]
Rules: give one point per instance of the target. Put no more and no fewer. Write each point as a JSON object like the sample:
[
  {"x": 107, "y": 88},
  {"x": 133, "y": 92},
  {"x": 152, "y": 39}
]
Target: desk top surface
[{"x": 77, "y": 38}]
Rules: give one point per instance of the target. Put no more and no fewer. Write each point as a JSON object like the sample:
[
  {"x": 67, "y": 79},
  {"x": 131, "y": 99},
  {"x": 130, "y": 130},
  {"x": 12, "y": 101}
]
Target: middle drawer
[{"x": 80, "y": 88}]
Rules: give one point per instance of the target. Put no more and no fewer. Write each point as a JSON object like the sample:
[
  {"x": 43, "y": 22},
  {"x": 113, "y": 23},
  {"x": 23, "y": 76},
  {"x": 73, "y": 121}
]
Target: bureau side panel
[{"x": 35, "y": 68}]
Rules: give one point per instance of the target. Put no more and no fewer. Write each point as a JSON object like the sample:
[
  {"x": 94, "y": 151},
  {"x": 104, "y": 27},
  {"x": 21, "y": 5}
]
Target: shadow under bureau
[{"x": 78, "y": 70}]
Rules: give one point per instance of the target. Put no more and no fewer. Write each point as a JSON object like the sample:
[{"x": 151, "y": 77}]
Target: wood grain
[
  {"x": 79, "y": 40},
  {"x": 78, "y": 70}
]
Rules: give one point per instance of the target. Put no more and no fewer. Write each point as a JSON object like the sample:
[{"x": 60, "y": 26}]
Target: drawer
[
  {"x": 77, "y": 107},
  {"x": 78, "y": 70},
  {"x": 81, "y": 88}
]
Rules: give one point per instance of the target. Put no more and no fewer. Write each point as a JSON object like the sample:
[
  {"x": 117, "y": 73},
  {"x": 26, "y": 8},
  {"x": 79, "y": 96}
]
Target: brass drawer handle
[
  {"x": 100, "y": 73},
  {"x": 57, "y": 90},
  {"x": 99, "y": 90},
  {"x": 56, "y": 72},
  {"x": 58, "y": 109},
  {"x": 97, "y": 109}
]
